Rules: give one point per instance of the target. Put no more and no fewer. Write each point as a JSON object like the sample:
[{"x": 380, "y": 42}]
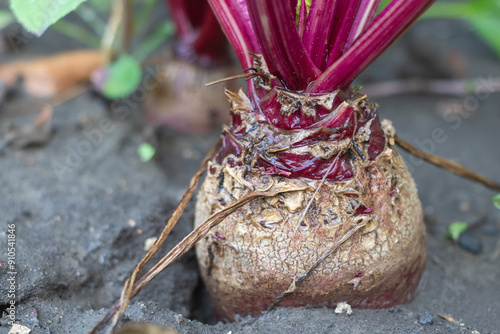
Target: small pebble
[
  {"x": 34, "y": 313},
  {"x": 343, "y": 308},
  {"x": 425, "y": 318},
  {"x": 19, "y": 329},
  {"x": 149, "y": 243},
  {"x": 470, "y": 242},
  {"x": 465, "y": 207}
]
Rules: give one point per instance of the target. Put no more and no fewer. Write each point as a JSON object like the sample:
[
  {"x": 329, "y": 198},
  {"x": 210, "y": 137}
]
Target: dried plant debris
[
  {"x": 46, "y": 77},
  {"x": 138, "y": 328},
  {"x": 461, "y": 325}
]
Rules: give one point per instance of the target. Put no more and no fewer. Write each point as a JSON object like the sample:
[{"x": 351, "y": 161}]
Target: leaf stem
[
  {"x": 386, "y": 28},
  {"x": 447, "y": 164},
  {"x": 274, "y": 25},
  {"x": 77, "y": 32},
  {"x": 234, "y": 19},
  {"x": 112, "y": 29}
]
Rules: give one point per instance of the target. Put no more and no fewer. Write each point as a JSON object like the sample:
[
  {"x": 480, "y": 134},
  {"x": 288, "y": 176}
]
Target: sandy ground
[{"x": 80, "y": 230}]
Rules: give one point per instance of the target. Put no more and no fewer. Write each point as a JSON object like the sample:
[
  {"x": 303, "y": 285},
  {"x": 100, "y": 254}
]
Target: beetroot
[{"x": 351, "y": 230}]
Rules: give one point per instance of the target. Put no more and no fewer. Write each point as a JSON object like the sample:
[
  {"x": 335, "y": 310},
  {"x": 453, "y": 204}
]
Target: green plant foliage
[
  {"x": 6, "y": 18},
  {"x": 383, "y": 4},
  {"x": 102, "y": 6},
  {"x": 455, "y": 229},
  {"x": 146, "y": 152},
  {"x": 307, "y": 3},
  {"x": 487, "y": 28},
  {"x": 496, "y": 201},
  {"x": 155, "y": 39},
  {"x": 77, "y": 33},
  {"x": 37, "y": 15},
  {"x": 122, "y": 78}
]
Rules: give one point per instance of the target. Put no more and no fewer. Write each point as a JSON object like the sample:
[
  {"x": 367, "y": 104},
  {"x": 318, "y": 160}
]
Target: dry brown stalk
[
  {"x": 234, "y": 77},
  {"x": 447, "y": 164},
  {"x": 126, "y": 292},
  {"x": 131, "y": 290},
  {"x": 129, "y": 283},
  {"x": 440, "y": 87}
]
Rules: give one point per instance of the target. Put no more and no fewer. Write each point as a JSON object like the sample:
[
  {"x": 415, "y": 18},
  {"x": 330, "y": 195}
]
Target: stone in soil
[
  {"x": 470, "y": 242},
  {"x": 425, "y": 318}
]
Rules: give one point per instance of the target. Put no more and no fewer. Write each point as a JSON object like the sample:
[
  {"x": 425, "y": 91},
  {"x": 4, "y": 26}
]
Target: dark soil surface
[{"x": 84, "y": 204}]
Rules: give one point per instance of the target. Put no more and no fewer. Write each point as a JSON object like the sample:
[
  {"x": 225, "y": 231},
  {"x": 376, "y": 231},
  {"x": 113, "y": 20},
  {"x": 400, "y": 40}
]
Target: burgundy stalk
[
  {"x": 345, "y": 16},
  {"x": 235, "y": 22},
  {"x": 301, "y": 26},
  {"x": 319, "y": 31},
  {"x": 365, "y": 16},
  {"x": 280, "y": 43},
  {"x": 199, "y": 36},
  {"x": 386, "y": 28}
]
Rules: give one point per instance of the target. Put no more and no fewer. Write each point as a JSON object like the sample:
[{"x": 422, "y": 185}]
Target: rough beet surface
[{"x": 269, "y": 243}]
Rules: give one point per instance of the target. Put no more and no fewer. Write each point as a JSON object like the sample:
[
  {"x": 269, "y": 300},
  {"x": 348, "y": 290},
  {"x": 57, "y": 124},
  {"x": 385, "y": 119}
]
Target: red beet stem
[
  {"x": 299, "y": 56},
  {"x": 318, "y": 31},
  {"x": 199, "y": 36},
  {"x": 235, "y": 22},
  {"x": 386, "y": 28},
  {"x": 364, "y": 17},
  {"x": 345, "y": 17},
  {"x": 179, "y": 14},
  {"x": 287, "y": 58},
  {"x": 310, "y": 61}
]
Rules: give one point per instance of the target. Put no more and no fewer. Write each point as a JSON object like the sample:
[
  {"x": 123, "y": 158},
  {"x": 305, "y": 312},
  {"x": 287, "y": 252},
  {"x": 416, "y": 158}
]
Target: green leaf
[
  {"x": 382, "y": 5},
  {"x": 144, "y": 13},
  {"x": 37, "y": 15},
  {"x": 487, "y": 28},
  {"x": 6, "y": 18},
  {"x": 455, "y": 229},
  {"x": 122, "y": 78},
  {"x": 102, "y": 6},
  {"x": 496, "y": 201},
  {"x": 146, "y": 152}
]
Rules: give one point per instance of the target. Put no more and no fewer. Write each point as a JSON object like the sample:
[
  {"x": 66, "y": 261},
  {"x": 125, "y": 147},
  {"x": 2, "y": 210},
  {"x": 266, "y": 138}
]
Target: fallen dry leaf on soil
[
  {"x": 47, "y": 76},
  {"x": 136, "y": 328}
]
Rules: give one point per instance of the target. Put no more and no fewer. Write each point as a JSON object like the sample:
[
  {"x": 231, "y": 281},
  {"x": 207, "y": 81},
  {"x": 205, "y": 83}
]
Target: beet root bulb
[{"x": 364, "y": 217}]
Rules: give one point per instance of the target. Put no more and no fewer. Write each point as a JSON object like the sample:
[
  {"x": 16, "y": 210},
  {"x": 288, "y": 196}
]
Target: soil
[{"x": 84, "y": 204}]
